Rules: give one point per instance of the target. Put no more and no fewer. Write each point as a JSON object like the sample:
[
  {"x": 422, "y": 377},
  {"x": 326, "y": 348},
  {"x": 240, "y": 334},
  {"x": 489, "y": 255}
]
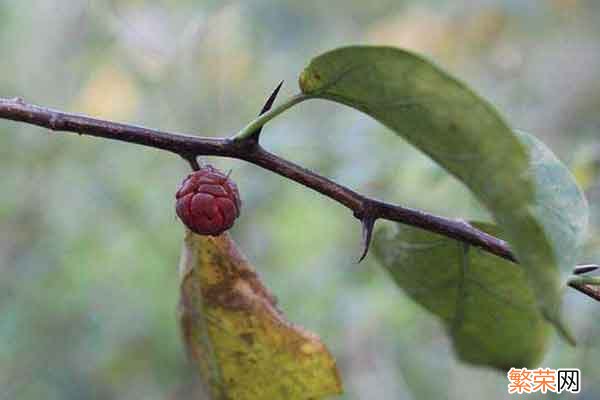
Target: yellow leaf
[{"x": 233, "y": 330}]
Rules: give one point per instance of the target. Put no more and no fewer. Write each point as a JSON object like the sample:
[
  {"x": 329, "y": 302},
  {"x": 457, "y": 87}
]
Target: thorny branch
[{"x": 366, "y": 209}]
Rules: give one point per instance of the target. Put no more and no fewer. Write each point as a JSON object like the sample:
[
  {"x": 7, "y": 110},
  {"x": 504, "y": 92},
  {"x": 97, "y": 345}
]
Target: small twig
[
  {"x": 589, "y": 291},
  {"x": 240, "y": 147},
  {"x": 193, "y": 163},
  {"x": 258, "y": 123},
  {"x": 579, "y": 280},
  {"x": 588, "y": 285}
]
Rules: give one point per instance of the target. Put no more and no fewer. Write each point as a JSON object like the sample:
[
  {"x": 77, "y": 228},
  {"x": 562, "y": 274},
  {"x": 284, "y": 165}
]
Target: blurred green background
[{"x": 89, "y": 242}]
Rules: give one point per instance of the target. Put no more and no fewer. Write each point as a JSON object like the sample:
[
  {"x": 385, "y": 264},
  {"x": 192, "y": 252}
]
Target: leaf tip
[{"x": 561, "y": 327}]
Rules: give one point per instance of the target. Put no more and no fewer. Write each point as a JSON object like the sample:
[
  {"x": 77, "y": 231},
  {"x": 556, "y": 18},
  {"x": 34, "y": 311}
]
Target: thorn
[
  {"x": 267, "y": 107},
  {"x": 271, "y": 99},
  {"x": 368, "y": 223},
  {"x": 584, "y": 269}
]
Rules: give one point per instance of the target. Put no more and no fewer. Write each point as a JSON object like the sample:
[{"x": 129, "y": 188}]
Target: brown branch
[
  {"x": 189, "y": 147},
  {"x": 588, "y": 290}
]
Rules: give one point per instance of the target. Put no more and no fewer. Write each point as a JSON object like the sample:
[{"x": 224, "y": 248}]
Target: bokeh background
[{"x": 89, "y": 242}]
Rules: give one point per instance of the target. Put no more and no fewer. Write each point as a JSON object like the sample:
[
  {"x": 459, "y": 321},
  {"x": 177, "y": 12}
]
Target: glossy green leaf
[
  {"x": 466, "y": 135},
  {"x": 484, "y": 301}
]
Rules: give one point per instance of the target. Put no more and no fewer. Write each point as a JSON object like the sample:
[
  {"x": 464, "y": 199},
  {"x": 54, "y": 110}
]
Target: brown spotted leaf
[{"x": 243, "y": 345}]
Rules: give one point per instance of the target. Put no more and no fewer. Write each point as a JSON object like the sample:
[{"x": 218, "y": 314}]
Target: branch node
[{"x": 53, "y": 122}]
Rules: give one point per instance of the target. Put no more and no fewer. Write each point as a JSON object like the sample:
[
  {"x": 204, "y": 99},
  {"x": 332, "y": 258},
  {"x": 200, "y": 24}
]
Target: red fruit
[{"x": 208, "y": 202}]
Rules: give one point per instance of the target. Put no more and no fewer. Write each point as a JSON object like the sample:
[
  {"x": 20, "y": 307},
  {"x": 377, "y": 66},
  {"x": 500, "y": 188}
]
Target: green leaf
[
  {"x": 559, "y": 202},
  {"x": 463, "y": 133},
  {"x": 484, "y": 301}
]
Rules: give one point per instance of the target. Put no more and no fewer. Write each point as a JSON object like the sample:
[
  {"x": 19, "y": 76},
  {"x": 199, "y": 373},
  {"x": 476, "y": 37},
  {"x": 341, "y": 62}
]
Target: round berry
[{"x": 208, "y": 202}]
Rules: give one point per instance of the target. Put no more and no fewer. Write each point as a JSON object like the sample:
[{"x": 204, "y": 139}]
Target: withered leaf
[{"x": 234, "y": 332}]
